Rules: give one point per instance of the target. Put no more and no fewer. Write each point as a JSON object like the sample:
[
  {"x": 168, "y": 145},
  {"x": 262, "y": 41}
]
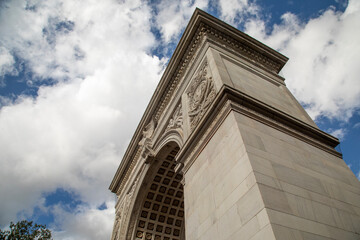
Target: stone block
[
  {"x": 274, "y": 199},
  {"x": 310, "y": 236},
  {"x": 267, "y": 180},
  {"x": 337, "y": 233},
  {"x": 285, "y": 233},
  {"x": 344, "y": 220},
  {"x": 323, "y": 213},
  {"x": 265, "y": 233},
  {"x": 229, "y": 222},
  {"x": 234, "y": 196},
  {"x": 248, "y": 230},
  {"x": 212, "y": 233},
  {"x": 263, "y": 218},
  {"x": 299, "y": 179},
  {"x": 249, "y": 205},
  {"x": 301, "y": 207},
  {"x": 235, "y": 176},
  {"x": 261, "y": 165},
  {"x": 299, "y": 223}
]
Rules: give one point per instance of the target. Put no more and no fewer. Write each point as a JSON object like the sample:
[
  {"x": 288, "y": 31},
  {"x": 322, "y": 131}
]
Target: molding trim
[
  {"x": 230, "y": 99},
  {"x": 250, "y": 53}
]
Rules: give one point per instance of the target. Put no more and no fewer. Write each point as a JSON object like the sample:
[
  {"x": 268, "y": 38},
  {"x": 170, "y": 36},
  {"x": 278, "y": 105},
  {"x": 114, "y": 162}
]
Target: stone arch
[
  {"x": 242, "y": 142},
  {"x": 158, "y": 211},
  {"x": 169, "y": 136}
]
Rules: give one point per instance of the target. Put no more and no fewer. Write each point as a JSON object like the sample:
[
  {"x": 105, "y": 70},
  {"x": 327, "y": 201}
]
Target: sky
[{"x": 76, "y": 77}]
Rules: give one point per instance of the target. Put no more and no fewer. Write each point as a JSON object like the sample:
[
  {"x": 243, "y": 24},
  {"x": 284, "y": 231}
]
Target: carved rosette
[
  {"x": 176, "y": 121},
  {"x": 201, "y": 93}
]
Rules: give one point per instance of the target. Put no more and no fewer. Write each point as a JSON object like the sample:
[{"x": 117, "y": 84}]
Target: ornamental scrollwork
[
  {"x": 201, "y": 93},
  {"x": 176, "y": 121}
]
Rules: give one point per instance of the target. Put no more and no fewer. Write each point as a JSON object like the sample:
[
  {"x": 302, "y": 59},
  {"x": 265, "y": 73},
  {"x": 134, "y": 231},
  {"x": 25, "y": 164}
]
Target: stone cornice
[
  {"x": 201, "y": 26},
  {"x": 282, "y": 121},
  {"x": 230, "y": 99}
]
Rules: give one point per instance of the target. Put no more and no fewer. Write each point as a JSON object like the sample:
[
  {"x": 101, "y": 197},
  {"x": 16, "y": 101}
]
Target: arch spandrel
[{"x": 156, "y": 138}]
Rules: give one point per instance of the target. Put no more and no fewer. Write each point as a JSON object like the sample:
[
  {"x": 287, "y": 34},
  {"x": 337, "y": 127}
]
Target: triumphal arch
[{"x": 224, "y": 151}]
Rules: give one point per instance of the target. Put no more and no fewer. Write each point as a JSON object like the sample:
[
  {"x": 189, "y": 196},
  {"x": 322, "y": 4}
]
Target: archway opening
[{"x": 161, "y": 214}]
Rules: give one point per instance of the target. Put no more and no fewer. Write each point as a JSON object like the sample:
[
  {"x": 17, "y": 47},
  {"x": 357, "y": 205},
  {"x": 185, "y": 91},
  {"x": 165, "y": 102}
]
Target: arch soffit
[
  {"x": 171, "y": 136},
  {"x": 167, "y": 143}
]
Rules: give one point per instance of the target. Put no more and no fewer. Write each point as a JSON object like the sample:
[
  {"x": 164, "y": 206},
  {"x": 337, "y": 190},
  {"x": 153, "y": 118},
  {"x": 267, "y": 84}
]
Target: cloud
[
  {"x": 173, "y": 16},
  {"x": 339, "y": 133},
  {"x": 73, "y": 134},
  {"x": 237, "y": 11},
  {"x": 59, "y": 41},
  {"x": 7, "y": 62},
  {"x": 87, "y": 223},
  {"x": 97, "y": 56},
  {"x": 326, "y": 49}
]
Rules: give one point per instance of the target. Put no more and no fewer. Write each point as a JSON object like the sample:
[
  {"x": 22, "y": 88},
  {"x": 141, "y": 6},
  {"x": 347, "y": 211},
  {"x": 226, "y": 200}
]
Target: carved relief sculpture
[
  {"x": 146, "y": 141},
  {"x": 201, "y": 93},
  {"x": 176, "y": 121},
  {"x": 122, "y": 213}
]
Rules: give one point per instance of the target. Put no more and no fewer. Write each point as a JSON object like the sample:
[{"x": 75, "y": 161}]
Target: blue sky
[{"x": 76, "y": 76}]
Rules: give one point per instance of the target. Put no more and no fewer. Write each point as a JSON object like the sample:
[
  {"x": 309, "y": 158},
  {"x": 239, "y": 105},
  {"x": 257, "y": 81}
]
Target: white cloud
[
  {"x": 87, "y": 223},
  {"x": 339, "y": 133},
  {"x": 94, "y": 34},
  {"x": 236, "y": 11},
  {"x": 7, "y": 62},
  {"x": 173, "y": 16},
  {"x": 73, "y": 134},
  {"x": 280, "y": 35},
  {"x": 322, "y": 71}
]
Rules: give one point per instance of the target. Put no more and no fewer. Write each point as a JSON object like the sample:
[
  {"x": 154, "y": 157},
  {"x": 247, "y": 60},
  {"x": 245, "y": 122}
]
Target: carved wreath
[{"x": 201, "y": 93}]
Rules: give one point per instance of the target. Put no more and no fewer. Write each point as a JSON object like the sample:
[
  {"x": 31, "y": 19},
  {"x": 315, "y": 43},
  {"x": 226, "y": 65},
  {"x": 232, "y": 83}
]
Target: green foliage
[{"x": 24, "y": 230}]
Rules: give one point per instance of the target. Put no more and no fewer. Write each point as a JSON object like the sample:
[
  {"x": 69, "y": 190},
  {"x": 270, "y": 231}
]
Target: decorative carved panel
[
  {"x": 176, "y": 121},
  {"x": 201, "y": 94},
  {"x": 122, "y": 213},
  {"x": 146, "y": 141}
]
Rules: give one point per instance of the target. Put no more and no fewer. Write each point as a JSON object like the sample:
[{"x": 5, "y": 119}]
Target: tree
[{"x": 24, "y": 230}]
